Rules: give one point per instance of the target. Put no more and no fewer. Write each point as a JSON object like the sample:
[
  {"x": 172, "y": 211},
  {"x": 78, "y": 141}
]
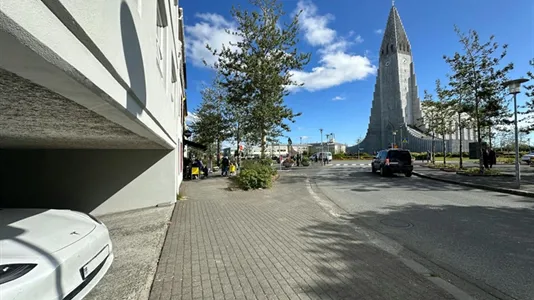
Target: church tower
[
  {"x": 396, "y": 116},
  {"x": 395, "y": 100}
]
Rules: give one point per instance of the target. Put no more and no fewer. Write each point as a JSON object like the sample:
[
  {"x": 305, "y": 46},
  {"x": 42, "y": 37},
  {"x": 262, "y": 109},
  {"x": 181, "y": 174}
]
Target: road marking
[{"x": 324, "y": 204}]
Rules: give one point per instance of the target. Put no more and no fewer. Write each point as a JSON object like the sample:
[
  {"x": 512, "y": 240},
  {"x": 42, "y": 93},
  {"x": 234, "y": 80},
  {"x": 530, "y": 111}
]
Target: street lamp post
[
  {"x": 394, "y": 135},
  {"x": 322, "y": 148},
  {"x": 514, "y": 88}
]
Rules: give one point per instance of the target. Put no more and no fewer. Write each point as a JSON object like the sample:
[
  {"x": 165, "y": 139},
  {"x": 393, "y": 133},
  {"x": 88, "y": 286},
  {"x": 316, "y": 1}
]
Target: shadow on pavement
[
  {"x": 490, "y": 247},
  {"x": 352, "y": 268}
]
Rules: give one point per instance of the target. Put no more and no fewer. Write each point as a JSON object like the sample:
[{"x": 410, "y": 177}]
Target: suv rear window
[{"x": 400, "y": 155}]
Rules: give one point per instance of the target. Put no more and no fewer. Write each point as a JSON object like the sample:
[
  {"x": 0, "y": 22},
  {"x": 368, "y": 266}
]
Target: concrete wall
[
  {"x": 97, "y": 181},
  {"x": 103, "y": 56},
  {"x": 108, "y": 46}
]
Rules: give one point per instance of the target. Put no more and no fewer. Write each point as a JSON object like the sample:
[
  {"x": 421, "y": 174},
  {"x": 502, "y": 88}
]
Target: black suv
[{"x": 393, "y": 161}]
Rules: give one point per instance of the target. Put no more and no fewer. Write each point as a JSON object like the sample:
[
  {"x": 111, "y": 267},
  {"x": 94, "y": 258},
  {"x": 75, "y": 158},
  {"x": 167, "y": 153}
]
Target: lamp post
[
  {"x": 394, "y": 135},
  {"x": 514, "y": 88},
  {"x": 358, "y": 145},
  {"x": 322, "y": 148}
]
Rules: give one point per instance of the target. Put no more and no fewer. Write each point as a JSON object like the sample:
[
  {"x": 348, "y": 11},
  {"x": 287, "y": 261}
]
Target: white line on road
[{"x": 326, "y": 205}]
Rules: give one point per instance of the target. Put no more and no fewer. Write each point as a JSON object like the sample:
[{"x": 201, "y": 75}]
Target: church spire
[{"x": 395, "y": 38}]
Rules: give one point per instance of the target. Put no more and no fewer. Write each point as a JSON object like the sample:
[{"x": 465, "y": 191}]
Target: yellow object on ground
[
  {"x": 232, "y": 169},
  {"x": 195, "y": 171}
]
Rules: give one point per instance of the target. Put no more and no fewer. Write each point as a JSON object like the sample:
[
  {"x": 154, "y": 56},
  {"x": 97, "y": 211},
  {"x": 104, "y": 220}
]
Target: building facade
[
  {"x": 92, "y": 100},
  {"x": 396, "y": 116}
]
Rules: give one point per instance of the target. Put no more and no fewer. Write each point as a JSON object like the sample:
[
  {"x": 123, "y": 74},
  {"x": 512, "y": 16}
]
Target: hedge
[{"x": 256, "y": 174}]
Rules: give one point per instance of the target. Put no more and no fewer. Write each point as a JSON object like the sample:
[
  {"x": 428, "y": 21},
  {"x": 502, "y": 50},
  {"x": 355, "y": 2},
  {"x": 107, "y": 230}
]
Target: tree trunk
[
  {"x": 461, "y": 140},
  {"x": 489, "y": 136},
  {"x": 218, "y": 152},
  {"x": 238, "y": 157},
  {"x": 433, "y": 156},
  {"x": 479, "y": 138},
  {"x": 444, "y": 150}
]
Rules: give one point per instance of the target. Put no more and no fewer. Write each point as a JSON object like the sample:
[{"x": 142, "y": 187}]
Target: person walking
[
  {"x": 225, "y": 163},
  {"x": 492, "y": 156},
  {"x": 485, "y": 158}
]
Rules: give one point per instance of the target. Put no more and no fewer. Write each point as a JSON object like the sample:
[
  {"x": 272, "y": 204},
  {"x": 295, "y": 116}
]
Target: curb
[{"x": 478, "y": 186}]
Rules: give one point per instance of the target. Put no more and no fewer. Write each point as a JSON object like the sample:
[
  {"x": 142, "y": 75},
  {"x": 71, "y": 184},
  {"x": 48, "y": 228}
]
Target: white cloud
[
  {"x": 336, "y": 64},
  {"x": 210, "y": 30},
  {"x": 358, "y": 39},
  {"x": 191, "y": 118},
  {"x": 379, "y": 31},
  {"x": 338, "y": 98},
  {"x": 315, "y": 27}
]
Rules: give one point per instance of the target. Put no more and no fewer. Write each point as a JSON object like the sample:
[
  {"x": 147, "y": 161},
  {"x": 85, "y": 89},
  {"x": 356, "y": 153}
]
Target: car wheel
[
  {"x": 373, "y": 170},
  {"x": 382, "y": 172},
  {"x": 408, "y": 174}
]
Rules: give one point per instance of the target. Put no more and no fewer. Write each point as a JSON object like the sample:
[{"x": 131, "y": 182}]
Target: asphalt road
[{"x": 484, "y": 238}]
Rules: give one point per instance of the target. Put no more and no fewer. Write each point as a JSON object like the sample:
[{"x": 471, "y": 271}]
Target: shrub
[
  {"x": 476, "y": 171},
  {"x": 256, "y": 174},
  {"x": 442, "y": 166},
  {"x": 305, "y": 161},
  {"x": 339, "y": 156}
]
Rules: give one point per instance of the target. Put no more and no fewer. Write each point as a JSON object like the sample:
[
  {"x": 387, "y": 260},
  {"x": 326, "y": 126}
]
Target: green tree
[
  {"x": 256, "y": 70},
  {"x": 444, "y": 119},
  {"x": 529, "y": 87},
  {"x": 479, "y": 69},
  {"x": 213, "y": 124},
  {"x": 430, "y": 121}
]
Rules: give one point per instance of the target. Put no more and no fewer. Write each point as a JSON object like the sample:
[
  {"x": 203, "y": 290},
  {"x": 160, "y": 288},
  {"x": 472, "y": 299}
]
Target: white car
[
  {"x": 50, "y": 254},
  {"x": 526, "y": 158}
]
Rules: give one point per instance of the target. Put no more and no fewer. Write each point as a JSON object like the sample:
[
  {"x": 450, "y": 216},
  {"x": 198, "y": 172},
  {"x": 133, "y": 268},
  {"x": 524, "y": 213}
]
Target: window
[{"x": 161, "y": 22}]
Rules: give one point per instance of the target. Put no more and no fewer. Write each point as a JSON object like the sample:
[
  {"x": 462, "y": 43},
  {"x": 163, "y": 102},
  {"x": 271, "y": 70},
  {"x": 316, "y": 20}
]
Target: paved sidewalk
[
  {"x": 493, "y": 182},
  {"x": 274, "y": 244}
]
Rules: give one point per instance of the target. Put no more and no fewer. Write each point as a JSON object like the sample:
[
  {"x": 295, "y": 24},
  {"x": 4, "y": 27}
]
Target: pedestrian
[
  {"x": 225, "y": 165},
  {"x": 428, "y": 156},
  {"x": 492, "y": 156},
  {"x": 485, "y": 158}
]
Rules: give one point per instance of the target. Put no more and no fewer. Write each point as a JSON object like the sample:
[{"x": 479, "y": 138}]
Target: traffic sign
[{"x": 405, "y": 141}]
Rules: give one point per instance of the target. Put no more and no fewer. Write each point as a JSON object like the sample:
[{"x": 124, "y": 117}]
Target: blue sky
[{"x": 344, "y": 37}]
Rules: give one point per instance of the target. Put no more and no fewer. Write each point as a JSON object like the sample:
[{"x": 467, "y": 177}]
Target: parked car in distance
[
  {"x": 527, "y": 157},
  {"x": 318, "y": 154},
  {"x": 51, "y": 254},
  {"x": 393, "y": 161}
]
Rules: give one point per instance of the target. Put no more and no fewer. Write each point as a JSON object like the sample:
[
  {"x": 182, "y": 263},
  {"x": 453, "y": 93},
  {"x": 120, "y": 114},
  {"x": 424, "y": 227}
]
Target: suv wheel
[
  {"x": 373, "y": 168},
  {"x": 382, "y": 172},
  {"x": 408, "y": 174}
]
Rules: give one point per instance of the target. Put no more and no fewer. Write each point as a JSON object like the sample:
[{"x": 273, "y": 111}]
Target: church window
[{"x": 391, "y": 48}]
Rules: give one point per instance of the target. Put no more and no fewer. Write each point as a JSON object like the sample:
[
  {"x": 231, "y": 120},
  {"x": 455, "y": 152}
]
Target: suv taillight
[{"x": 387, "y": 161}]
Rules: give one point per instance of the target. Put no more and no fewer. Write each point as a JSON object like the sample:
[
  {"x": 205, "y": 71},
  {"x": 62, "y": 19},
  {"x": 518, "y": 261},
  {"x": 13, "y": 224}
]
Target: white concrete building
[{"x": 91, "y": 103}]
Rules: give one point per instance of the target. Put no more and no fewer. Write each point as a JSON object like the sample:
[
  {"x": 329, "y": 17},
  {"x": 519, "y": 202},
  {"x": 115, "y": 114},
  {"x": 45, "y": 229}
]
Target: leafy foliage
[
  {"x": 213, "y": 124},
  {"x": 478, "y": 76},
  {"x": 256, "y": 70},
  {"x": 256, "y": 174},
  {"x": 530, "y": 103}
]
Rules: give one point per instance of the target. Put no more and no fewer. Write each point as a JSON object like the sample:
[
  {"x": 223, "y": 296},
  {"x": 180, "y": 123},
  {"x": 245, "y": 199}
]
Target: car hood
[{"x": 30, "y": 232}]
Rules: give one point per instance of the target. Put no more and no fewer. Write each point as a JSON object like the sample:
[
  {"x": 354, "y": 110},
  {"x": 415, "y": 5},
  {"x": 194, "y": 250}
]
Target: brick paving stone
[{"x": 273, "y": 244}]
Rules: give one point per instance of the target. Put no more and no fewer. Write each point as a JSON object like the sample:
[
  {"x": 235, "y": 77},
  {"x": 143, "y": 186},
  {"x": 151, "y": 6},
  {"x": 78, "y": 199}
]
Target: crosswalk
[{"x": 351, "y": 165}]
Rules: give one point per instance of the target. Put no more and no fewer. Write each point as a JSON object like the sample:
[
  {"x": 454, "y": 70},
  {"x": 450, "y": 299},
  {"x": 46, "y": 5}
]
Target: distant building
[
  {"x": 335, "y": 148},
  {"x": 396, "y": 114}
]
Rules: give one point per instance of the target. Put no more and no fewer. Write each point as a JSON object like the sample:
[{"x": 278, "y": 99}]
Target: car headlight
[{"x": 13, "y": 271}]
